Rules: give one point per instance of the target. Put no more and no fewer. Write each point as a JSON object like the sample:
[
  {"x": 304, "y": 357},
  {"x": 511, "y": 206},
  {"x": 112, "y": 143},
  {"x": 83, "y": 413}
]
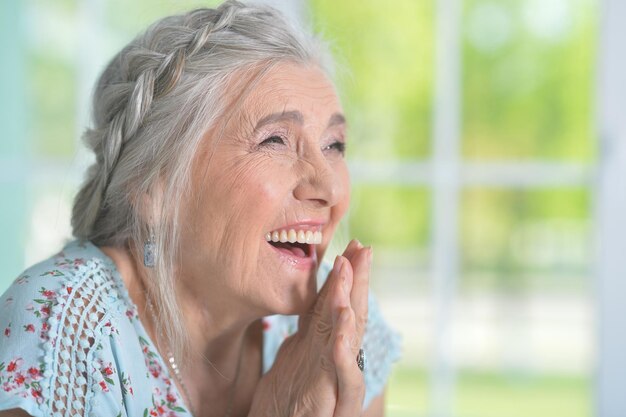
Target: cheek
[
  {"x": 269, "y": 189},
  {"x": 344, "y": 191}
]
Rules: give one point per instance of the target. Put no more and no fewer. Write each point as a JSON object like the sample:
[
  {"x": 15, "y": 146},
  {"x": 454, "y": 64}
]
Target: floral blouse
[{"x": 71, "y": 343}]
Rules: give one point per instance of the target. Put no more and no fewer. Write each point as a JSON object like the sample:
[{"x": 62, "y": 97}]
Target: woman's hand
[{"x": 315, "y": 372}]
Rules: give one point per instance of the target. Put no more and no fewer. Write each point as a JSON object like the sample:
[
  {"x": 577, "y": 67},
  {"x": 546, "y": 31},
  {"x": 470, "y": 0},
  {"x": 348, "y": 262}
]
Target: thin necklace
[{"x": 176, "y": 370}]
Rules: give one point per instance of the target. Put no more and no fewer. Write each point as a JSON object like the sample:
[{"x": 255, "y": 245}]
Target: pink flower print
[
  {"x": 36, "y": 393},
  {"x": 29, "y": 328},
  {"x": 126, "y": 385},
  {"x": 34, "y": 373},
  {"x": 104, "y": 387},
  {"x": 7, "y": 330},
  {"x": 43, "y": 334},
  {"x": 155, "y": 370},
  {"x": 69, "y": 289},
  {"x": 130, "y": 313},
  {"x": 49, "y": 294},
  {"x": 45, "y": 310},
  {"x": 107, "y": 371},
  {"x": 266, "y": 325},
  {"x": 167, "y": 406},
  {"x": 54, "y": 273},
  {"x": 19, "y": 379},
  {"x": 14, "y": 364}
]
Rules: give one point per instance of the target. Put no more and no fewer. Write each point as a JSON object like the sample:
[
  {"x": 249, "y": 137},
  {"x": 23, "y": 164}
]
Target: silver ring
[{"x": 360, "y": 360}]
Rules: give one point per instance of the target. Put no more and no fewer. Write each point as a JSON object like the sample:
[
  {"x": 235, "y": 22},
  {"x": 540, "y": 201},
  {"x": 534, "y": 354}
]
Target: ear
[{"x": 148, "y": 204}]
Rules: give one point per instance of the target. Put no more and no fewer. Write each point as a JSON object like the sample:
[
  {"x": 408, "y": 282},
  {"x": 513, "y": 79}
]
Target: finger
[
  {"x": 338, "y": 293},
  {"x": 332, "y": 277},
  {"x": 352, "y": 247},
  {"x": 350, "y": 382},
  {"x": 348, "y": 253},
  {"x": 360, "y": 288},
  {"x": 340, "y": 297},
  {"x": 334, "y": 296},
  {"x": 322, "y": 296}
]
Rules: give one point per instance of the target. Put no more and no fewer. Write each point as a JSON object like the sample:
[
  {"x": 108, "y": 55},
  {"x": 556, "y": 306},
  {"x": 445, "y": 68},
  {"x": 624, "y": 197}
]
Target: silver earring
[{"x": 149, "y": 251}]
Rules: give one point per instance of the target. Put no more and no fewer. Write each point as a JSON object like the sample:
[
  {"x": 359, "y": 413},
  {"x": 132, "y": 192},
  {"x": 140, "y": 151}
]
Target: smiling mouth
[
  {"x": 301, "y": 250},
  {"x": 294, "y": 243}
]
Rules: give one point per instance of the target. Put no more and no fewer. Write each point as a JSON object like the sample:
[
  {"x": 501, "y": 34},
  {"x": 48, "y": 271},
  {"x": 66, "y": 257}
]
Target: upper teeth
[{"x": 293, "y": 236}]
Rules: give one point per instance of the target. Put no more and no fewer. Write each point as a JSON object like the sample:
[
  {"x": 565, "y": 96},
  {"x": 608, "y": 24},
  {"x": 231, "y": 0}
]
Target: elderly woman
[{"x": 192, "y": 285}]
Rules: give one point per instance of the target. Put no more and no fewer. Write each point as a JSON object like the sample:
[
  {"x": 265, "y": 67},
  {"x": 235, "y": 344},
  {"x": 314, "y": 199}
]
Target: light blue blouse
[{"x": 71, "y": 343}]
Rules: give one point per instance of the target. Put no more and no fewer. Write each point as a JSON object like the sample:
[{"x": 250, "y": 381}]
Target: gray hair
[{"x": 151, "y": 107}]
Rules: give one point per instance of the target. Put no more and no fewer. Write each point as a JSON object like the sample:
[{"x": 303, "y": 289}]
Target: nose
[{"x": 318, "y": 185}]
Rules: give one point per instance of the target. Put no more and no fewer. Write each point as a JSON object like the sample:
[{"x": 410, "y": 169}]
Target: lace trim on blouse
[{"x": 79, "y": 320}]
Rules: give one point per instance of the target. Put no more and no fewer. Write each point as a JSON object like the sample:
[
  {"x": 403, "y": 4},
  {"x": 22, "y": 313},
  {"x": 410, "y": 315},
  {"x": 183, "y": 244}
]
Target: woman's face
[{"x": 275, "y": 164}]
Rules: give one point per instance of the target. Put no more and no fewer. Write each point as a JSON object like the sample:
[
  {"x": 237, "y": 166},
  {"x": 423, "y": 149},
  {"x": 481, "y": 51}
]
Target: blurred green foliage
[
  {"x": 493, "y": 394},
  {"x": 387, "y": 50},
  {"x": 528, "y": 71},
  {"x": 519, "y": 240},
  {"x": 409, "y": 226},
  {"x": 528, "y": 79},
  {"x": 53, "y": 91},
  {"x": 528, "y": 68}
]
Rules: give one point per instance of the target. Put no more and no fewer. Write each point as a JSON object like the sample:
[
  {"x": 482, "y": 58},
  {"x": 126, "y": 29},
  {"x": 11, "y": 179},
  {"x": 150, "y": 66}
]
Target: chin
[{"x": 296, "y": 296}]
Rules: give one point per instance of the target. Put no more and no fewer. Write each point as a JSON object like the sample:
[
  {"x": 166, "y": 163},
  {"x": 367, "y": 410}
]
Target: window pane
[
  {"x": 394, "y": 220},
  {"x": 526, "y": 239},
  {"x": 527, "y": 82},
  {"x": 128, "y": 18},
  {"x": 523, "y": 319},
  {"x": 506, "y": 394},
  {"x": 51, "y": 72},
  {"x": 388, "y": 51},
  {"x": 53, "y": 104}
]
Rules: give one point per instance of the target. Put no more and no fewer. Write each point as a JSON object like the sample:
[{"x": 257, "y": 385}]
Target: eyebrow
[
  {"x": 296, "y": 116},
  {"x": 336, "y": 119}
]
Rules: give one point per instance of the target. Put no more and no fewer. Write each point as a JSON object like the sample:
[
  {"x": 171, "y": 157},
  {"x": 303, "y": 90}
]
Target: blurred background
[{"x": 477, "y": 177}]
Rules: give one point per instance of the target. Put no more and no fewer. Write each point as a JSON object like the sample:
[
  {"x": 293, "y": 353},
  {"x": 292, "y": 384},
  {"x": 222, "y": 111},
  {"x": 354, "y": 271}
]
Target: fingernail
[
  {"x": 359, "y": 245},
  {"x": 338, "y": 263}
]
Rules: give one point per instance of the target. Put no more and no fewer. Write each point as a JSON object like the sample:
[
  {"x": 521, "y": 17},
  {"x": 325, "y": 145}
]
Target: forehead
[{"x": 288, "y": 87}]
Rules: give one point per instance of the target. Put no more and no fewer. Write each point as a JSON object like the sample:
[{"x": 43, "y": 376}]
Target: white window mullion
[
  {"x": 446, "y": 170},
  {"x": 611, "y": 213}
]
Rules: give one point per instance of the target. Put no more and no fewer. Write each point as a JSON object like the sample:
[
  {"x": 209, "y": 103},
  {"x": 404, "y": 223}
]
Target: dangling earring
[{"x": 149, "y": 251}]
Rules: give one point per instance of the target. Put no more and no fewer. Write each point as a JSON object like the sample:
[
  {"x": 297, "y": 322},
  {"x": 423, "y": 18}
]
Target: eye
[
  {"x": 338, "y": 146},
  {"x": 273, "y": 139}
]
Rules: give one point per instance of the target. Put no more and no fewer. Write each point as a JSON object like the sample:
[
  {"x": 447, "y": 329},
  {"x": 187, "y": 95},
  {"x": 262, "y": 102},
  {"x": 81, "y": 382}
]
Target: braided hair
[{"x": 151, "y": 106}]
